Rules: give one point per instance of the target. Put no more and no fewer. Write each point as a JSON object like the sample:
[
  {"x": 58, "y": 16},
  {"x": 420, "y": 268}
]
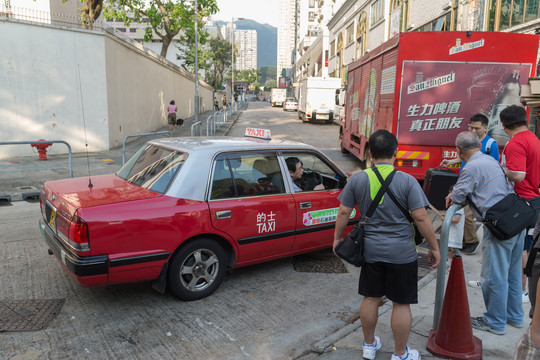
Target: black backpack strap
[
  {"x": 470, "y": 202},
  {"x": 384, "y": 187},
  {"x": 394, "y": 199}
]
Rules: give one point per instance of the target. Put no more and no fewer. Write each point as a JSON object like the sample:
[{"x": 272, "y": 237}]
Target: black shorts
[
  {"x": 172, "y": 118},
  {"x": 398, "y": 282}
]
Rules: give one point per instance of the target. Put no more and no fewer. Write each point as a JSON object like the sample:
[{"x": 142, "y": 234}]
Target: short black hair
[
  {"x": 480, "y": 118},
  {"x": 513, "y": 116},
  {"x": 382, "y": 144},
  {"x": 291, "y": 163},
  {"x": 172, "y": 102}
]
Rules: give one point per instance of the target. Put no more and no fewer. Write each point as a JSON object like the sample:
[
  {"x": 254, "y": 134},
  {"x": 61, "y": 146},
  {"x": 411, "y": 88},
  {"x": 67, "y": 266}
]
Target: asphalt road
[{"x": 267, "y": 311}]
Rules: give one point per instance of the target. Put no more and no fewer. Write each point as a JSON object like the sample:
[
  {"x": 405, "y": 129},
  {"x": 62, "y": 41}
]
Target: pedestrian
[
  {"x": 216, "y": 104},
  {"x": 478, "y": 124},
  {"x": 521, "y": 159},
  {"x": 528, "y": 346},
  {"x": 484, "y": 183},
  {"x": 224, "y": 102},
  {"x": 172, "y": 109},
  {"x": 391, "y": 266}
]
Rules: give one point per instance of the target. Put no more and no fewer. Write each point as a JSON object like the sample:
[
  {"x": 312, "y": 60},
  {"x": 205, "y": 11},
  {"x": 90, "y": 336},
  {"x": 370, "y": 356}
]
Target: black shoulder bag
[
  {"x": 418, "y": 238},
  {"x": 509, "y": 216},
  {"x": 351, "y": 249}
]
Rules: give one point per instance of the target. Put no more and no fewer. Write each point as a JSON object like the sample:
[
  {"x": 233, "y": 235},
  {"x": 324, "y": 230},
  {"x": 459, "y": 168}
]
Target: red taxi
[{"x": 182, "y": 211}]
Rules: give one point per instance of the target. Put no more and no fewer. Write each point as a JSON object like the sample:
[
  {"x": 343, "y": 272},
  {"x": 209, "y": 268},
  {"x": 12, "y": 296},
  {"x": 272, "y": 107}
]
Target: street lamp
[{"x": 232, "y": 57}]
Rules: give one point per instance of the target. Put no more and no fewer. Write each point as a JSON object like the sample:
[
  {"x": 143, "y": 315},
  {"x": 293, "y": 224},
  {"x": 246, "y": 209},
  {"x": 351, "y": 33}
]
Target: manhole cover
[
  {"x": 28, "y": 315},
  {"x": 319, "y": 262}
]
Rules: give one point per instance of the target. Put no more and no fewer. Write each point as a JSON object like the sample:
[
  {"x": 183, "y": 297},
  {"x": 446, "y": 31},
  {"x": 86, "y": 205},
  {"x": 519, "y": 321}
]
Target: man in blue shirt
[{"x": 478, "y": 124}]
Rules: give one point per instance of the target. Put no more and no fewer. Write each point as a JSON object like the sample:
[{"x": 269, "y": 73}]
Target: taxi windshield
[{"x": 153, "y": 167}]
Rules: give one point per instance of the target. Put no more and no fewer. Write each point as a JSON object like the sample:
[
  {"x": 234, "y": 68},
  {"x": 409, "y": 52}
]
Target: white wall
[{"x": 123, "y": 89}]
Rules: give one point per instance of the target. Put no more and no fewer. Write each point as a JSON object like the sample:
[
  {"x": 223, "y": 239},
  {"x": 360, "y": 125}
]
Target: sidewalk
[
  {"x": 23, "y": 177},
  {"x": 346, "y": 344}
]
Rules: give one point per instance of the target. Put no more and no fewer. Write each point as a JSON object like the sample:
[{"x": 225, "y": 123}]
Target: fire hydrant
[{"x": 42, "y": 149}]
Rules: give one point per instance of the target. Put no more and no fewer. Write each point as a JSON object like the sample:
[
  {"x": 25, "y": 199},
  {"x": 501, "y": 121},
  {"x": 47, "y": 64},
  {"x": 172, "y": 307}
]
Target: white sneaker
[
  {"x": 474, "y": 283},
  {"x": 411, "y": 355},
  {"x": 369, "y": 351},
  {"x": 525, "y": 296}
]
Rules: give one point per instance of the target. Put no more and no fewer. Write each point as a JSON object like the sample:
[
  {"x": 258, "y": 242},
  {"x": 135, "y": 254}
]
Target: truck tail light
[
  {"x": 408, "y": 163},
  {"x": 74, "y": 231}
]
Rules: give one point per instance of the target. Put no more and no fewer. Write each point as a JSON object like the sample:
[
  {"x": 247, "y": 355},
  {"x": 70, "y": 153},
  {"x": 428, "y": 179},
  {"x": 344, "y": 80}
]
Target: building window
[
  {"x": 312, "y": 16},
  {"x": 442, "y": 23},
  {"x": 507, "y": 13},
  {"x": 377, "y": 11},
  {"x": 333, "y": 48},
  {"x": 361, "y": 35},
  {"x": 350, "y": 34},
  {"x": 132, "y": 30},
  {"x": 311, "y": 3}
]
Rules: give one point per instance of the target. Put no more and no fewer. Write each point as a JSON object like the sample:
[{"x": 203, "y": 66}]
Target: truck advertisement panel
[{"x": 437, "y": 99}]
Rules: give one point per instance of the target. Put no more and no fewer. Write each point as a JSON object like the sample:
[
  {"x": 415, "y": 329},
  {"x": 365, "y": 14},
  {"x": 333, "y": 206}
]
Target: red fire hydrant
[{"x": 42, "y": 149}]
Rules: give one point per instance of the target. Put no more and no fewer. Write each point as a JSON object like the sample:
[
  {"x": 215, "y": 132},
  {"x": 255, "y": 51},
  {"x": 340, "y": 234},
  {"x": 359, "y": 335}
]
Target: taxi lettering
[{"x": 266, "y": 222}]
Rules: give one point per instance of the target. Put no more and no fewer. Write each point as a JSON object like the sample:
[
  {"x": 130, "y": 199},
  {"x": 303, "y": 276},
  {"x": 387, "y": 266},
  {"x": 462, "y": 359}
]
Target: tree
[
  {"x": 220, "y": 59},
  {"x": 165, "y": 18}
]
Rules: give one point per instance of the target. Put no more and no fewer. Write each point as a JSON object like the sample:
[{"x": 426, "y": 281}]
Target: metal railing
[
  {"x": 441, "y": 270},
  {"x": 139, "y": 135},
  {"x": 196, "y": 126},
  {"x": 45, "y": 142}
]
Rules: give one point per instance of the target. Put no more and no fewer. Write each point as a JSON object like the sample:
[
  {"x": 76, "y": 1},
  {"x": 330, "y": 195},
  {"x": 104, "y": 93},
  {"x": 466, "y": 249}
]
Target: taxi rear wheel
[{"x": 197, "y": 269}]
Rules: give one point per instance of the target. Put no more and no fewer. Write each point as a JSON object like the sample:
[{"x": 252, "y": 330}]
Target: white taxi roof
[{"x": 192, "y": 181}]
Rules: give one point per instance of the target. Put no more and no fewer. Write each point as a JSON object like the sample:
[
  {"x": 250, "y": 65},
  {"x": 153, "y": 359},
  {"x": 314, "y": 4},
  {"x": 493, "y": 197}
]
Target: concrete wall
[{"x": 123, "y": 88}]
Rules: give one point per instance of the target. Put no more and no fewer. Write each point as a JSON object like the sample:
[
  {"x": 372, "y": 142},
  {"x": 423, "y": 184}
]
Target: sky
[{"x": 262, "y": 11}]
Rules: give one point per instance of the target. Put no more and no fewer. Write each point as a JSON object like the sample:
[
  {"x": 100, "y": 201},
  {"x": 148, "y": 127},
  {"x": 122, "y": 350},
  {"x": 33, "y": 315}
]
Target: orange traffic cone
[{"x": 454, "y": 338}]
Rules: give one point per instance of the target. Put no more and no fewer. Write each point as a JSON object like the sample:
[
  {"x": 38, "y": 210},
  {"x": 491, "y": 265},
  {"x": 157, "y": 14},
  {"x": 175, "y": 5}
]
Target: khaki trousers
[{"x": 469, "y": 229}]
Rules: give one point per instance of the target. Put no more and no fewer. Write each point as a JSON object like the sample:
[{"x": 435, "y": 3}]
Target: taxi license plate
[
  {"x": 50, "y": 214},
  {"x": 322, "y": 116}
]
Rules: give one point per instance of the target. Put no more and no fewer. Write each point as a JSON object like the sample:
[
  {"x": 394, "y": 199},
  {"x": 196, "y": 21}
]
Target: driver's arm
[{"x": 319, "y": 187}]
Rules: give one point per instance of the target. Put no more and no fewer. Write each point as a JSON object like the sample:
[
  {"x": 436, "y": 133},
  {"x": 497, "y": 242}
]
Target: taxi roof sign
[{"x": 258, "y": 133}]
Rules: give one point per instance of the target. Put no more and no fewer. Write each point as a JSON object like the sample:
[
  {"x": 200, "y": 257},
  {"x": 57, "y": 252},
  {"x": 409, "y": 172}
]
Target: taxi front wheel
[{"x": 197, "y": 269}]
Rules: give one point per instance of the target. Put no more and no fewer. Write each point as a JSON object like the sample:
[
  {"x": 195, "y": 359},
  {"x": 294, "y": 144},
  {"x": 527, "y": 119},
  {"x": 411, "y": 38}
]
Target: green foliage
[
  {"x": 269, "y": 85},
  {"x": 165, "y": 18},
  {"x": 219, "y": 58},
  {"x": 268, "y": 73}
]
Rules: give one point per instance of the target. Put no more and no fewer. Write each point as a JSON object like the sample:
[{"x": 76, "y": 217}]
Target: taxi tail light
[
  {"x": 75, "y": 230},
  {"x": 409, "y": 163}
]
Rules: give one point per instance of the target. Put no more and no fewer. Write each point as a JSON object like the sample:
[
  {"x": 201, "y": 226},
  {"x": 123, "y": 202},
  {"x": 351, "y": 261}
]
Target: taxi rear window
[{"x": 153, "y": 167}]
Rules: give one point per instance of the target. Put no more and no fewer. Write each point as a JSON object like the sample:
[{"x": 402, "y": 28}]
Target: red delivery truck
[{"x": 424, "y": 86}]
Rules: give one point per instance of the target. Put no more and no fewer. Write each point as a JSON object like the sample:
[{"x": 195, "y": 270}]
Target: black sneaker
[{"x": 470, "y": 249}]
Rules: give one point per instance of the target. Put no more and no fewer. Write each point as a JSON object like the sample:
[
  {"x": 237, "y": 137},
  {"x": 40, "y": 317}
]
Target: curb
[{"x": 321, "y": 345}]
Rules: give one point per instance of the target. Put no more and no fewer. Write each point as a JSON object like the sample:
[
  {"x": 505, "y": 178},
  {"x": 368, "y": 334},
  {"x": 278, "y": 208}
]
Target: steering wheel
[{"x": 310, "y": 179}]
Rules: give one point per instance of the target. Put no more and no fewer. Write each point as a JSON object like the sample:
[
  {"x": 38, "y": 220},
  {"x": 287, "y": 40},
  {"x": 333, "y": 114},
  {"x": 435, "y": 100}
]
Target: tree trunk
[
  {"x": 90, "y": 13},
  {"x": 166, "y": 42}
]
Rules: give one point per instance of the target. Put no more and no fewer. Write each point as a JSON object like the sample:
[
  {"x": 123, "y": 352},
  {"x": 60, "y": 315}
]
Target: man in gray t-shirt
[{"x": 391, "y": 267}]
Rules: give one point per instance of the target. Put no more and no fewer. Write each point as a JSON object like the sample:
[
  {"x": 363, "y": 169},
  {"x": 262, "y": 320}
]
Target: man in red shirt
[{"x": 521, "y": 160}]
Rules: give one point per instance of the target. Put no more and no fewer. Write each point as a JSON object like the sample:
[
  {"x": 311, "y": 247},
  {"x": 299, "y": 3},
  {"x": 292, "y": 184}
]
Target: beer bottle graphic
[{"x": 508, "y": 95}]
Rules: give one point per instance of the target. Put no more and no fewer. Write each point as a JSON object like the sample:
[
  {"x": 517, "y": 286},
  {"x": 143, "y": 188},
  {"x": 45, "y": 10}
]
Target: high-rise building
[
  {"x": 286, "y": 32},
  {"x": 246, "y": 45}
]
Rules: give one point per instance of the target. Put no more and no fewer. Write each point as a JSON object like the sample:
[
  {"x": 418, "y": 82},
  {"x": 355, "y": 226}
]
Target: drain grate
[
  {"x": 28, "y": 315},
  {"x": 319, "y": 262}
]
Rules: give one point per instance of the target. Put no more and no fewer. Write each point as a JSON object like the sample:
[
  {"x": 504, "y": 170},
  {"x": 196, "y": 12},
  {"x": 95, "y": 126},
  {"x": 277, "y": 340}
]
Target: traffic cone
[{"x": 454, "y": 338}]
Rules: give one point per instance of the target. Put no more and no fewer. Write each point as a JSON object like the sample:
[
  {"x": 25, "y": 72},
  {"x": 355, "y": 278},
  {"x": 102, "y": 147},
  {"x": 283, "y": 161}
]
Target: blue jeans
[{"x": 501, "y": 279}]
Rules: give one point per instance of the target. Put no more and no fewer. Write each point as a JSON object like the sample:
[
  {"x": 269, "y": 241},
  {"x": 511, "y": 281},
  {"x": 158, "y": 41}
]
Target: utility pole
[
  {"x": 232, "y": 60},
  {"x": 196, "y": 63}
]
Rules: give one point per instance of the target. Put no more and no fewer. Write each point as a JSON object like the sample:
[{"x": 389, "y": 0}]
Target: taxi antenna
[{"x": 90, "y": 185}]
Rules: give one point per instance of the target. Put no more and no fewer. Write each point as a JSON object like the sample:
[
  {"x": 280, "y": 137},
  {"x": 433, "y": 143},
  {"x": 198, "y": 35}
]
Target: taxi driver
[{"x": 296, "y": 169}]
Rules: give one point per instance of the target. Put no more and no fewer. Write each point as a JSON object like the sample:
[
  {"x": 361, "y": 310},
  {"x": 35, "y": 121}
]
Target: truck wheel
[
  {"x": 197, "y": 269},
  {"x": 305, "y": 118},
  {"x": 343, "y": 150}
]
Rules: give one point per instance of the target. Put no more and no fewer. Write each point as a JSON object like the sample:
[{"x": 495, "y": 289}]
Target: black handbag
[
  {"x": 509, "y": 216},
  {"x": 351, "y": 249},
  {"x": 418, "y": 238}
]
